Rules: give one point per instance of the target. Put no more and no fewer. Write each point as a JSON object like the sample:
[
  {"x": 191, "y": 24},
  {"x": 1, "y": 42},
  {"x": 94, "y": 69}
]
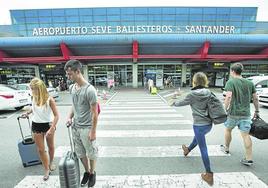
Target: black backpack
[{"x": 216, "y": 110}]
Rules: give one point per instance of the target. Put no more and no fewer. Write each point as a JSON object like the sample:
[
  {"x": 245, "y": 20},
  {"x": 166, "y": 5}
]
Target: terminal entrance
[{"x": 97, "y": 75}]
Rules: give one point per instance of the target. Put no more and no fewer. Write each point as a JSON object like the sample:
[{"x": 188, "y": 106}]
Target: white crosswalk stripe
[
  {"x": 224, "y": 180},
  {"x": 125, "y": 119}
]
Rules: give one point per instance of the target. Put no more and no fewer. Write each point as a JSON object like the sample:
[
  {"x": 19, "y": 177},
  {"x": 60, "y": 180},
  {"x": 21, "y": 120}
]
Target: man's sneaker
[
  {"x": 85, "y": 179},
  {"x": 246, "y": 162},
  {"x": 92, "y": 179},
  {"x": 224, "y": 149}
]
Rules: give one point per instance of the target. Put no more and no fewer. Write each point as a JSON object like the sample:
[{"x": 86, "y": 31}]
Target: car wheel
[{"x": 19, "y": 108}]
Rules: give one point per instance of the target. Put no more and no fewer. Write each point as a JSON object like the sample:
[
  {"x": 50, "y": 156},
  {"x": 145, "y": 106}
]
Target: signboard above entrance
[{"x": 138, "y": 29}]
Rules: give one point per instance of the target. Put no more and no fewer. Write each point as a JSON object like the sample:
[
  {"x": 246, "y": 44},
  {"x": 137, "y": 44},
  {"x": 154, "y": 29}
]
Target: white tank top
[{"x": 41, "y": 114}]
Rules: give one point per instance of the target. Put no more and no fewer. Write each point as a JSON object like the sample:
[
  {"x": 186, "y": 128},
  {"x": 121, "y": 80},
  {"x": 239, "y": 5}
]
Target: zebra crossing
[{"x": 136, "y": 127}]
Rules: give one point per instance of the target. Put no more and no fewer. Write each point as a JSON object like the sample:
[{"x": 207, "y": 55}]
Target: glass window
[
  {"x": 223, "y": 16},
  {"x": 235, "y": 17},
  {"x": 19, "y": 20},
  {"x": 236, "y": 24},
  {"x": 31, "y": 13},
  {"x": 86, "y": 18},
  {"x": 182, "y": 11},
  {"x": 99, "y": 11},
  {"x": 248, "y": 24},
  {"x": 140, "y": 11},
  {"x": 124, "y": 23},
  {"x": 140, "y": 17},
  {"x": 195, "y": 17},
  {"x": 114, "y": 24},
  {"x": 113, "y": 11},
  {"x": 17, "y": 13},
  {"x": 182, "y": 17},
  {"x": 219, "y": 23},
  {"x": 22, "y": 27},
  {"x": 113, "y": 18},
  {"x": 32, "y": 20},
  {"x": 71, "y": 12},
  {"x": 168, "y": 11},
  {"x": 252, "y": 11},
  {"x": 45, "y": 19},
  {"x": 154, "y": 22},
  {"x": 23, "y": 33},
  {"x": 127, "y": 11},
  {"x": 45, "y": 13},
  {"x": 169, "y": 17},
  {"x": 32, "y": 26},
  {"x": 58, "y": 25},
  {"x": 155, "y": 17},
  {"x": 99, "y": 18},
  {"x": 57, "y": 12},
  {"x": 58, "y": 19},
  {"x": 72, "y": 19},
  {"x": 154, "y": 11},
  {"x": 127, "y": 17},
  {"x": 249, "y": 18},
  {"x": 85, "y": 11},
  {"x": 222, "y": 10},
  {"x": 100, "y": 23},
  {"x": 209, "y": 17},
  {"x": 209, "y": 10},
  {"x": 247, "y": 29},
  {"x": 237, "y": 11},
  {"x": 196, "y": 11}
]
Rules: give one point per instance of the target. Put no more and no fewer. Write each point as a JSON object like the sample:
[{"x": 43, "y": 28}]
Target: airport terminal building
[{"x": 128, "y": 45}]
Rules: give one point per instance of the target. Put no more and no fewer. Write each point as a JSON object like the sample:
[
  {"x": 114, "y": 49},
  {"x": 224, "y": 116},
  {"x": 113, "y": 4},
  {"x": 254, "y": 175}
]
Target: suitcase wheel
[{"x": 24, "y": 164}]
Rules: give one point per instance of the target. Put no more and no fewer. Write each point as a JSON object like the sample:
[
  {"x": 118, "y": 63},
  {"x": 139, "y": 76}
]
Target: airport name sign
[{"x": 95, "y": 30}]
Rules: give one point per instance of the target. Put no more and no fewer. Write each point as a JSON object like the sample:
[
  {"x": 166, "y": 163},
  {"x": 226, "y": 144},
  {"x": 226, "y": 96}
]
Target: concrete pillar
[
  {"x": 135, "y": 75},
  {"x": 85, "y": 72},
  {"x": 36, "y": 71},
  {"x": 183, "y": 73}
]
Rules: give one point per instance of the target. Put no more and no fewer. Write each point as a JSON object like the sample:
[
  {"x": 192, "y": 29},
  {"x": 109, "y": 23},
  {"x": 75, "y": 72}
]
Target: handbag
[{"x": 259, "y": 128}]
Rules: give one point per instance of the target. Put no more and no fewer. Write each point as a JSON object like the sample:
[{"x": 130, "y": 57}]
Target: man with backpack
[
  {"x": 239, "y": 92},
  {"x": 84, "y": 114}
]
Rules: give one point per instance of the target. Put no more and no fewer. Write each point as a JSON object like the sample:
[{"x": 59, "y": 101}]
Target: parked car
[
  {"x": 26, "y": 87},
  {"x": 263, "y": 99},
  {"x": 260, "y": 82},
  {"x": 11, "y": 98}
]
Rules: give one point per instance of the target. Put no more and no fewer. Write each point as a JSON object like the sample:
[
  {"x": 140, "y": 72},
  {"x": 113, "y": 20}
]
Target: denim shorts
[
  {"x": 82, "y": 145},
  {"x": 243, "y": 125}
]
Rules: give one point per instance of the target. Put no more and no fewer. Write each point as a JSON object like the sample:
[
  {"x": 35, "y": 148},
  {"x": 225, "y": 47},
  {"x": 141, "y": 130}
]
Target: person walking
[
  {"x": 197, "y": 99},
  {"x": 83, "y": 117},
  {"x": 43, "y": 126},
  {"x": 239, "y": 93}
]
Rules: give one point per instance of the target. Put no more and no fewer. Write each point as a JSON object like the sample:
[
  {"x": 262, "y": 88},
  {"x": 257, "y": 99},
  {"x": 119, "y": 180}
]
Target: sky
[{"x": 6, "y": 5}]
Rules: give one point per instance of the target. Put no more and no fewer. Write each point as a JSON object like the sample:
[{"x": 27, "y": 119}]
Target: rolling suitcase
[
  {"x": 154, "y": 91},
  {"x": 69, "y": 172},
  {"x": 27, "y": 147}
]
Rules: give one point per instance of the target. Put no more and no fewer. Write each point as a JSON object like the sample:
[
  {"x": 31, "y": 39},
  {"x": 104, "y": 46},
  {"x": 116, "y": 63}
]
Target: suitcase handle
[
  {"x": 24, "y": 117},
  {"x": 69, "y": 126}
]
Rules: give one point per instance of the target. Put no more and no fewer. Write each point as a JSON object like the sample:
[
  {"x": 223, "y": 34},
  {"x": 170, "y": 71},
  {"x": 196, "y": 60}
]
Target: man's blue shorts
[{"x": 243, "y": 125}]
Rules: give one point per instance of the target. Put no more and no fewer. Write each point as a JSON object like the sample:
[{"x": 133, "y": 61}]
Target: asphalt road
[{"x": 137, "y": 134}]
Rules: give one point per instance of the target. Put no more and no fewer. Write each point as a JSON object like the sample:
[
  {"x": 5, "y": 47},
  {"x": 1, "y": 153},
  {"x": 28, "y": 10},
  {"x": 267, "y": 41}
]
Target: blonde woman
[
  {"x": 43, "y": 125},
  {"x": 197, "y": 99}
]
